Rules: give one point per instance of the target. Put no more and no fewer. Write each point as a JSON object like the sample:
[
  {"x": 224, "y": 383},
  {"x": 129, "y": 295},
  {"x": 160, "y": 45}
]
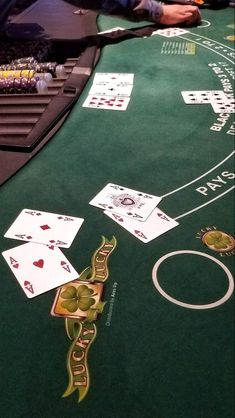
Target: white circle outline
[
  {"x": 189, "y": 305},
  {"x": 204, "y": 26}
]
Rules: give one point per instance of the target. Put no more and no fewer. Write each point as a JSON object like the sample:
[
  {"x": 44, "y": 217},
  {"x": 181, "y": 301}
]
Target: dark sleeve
[{"x": 132, "y": 9}]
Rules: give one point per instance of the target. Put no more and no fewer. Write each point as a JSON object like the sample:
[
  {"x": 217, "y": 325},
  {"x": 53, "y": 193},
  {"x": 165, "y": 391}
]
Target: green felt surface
[{"x": 155, "y": 359}]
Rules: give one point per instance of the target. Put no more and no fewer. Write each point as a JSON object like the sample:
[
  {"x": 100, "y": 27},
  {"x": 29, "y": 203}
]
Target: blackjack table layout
[{"x": 143, "y": 329}]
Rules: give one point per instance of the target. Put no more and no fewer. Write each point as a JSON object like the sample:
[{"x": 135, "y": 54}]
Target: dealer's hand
[{"x": 175, "y": 14}]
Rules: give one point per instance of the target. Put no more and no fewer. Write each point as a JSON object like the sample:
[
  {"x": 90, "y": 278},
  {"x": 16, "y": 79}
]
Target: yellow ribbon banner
[{"x": 83, "y": 332}]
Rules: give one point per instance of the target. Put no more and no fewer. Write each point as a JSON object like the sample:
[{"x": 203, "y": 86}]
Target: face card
[
  {"x": 44, "y": 228},
  {"x": 126, "y": 202},
  {"x": 157, "y": 224},
  {"x": 114, "y": 78},
  {"x": 106, "y": 102},
  {"x": 170, "y": 32},
  {"x": 220, "y": 106},
  {"x": 111, "y": 89},
  {"x": 203, "y": 96},
  {"x": 39, "y": 268}
]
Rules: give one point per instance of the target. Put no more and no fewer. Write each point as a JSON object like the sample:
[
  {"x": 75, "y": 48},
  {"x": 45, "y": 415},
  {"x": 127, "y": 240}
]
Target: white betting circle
[{"x": 189, "y": 305}]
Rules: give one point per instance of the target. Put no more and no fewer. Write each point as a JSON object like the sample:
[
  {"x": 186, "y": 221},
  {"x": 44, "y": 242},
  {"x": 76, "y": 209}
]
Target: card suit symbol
[
  {"x": 65, "y": 266},
  {"x": 28, "y": 286},
  {"x": 58, "y": 242},
  {"x": 45, "y": 227},
  {"x": 127, "y": 201},
  {"x": 29, "y": 237},
  {"x": 51, "y": 247},
  {"x": 52, "y": 240},
  {"x": 163, "y": 217},
  {"x": 60, "y": 217},
  {"x": 140, "y": 234},
  {"x": 118, "y": 218},
  {"x": 16, "y": 265},
  {"x": 39, "y": 263}
]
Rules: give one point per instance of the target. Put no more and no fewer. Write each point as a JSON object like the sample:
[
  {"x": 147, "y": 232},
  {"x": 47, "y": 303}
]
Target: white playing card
[
  {"x": 111, "y": 89},
  {"x": 106, "y": 102},
  {"x": 115, "y": 29},
  {"x": 203, "y": 96},
  {"x": 157, "y": 224},
  {"x": 44, "y": 228},
  {"x": 220, "y": 106},
  {"x": 39, "y": 268},
  {"x": 170, "y": 32},
  {"x": 114, "y": 78},
  {"x": 126, "y": 202}
]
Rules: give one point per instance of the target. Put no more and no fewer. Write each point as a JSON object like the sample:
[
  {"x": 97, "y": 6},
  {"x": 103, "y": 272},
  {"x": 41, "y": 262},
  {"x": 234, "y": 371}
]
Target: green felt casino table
[{"x": 164, "y": 345}]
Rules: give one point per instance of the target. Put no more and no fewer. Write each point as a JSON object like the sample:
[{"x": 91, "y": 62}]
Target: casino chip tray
[{"x": 29, "y": 120}]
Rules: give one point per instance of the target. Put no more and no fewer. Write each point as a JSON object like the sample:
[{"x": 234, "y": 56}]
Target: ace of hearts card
[{"x": 39, "y": 268}]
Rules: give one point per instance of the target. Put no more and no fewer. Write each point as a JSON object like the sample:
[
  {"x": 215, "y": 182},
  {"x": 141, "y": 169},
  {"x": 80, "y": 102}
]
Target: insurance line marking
[
  {"x": 204, "y": 204},
  {"x": 198, "y": 178}
]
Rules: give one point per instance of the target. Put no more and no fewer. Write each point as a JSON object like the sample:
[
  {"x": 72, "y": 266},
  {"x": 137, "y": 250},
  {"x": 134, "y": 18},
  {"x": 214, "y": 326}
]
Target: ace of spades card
[
  {"x": 125, "y": 201},
  {"x": 157, "y": 224}
]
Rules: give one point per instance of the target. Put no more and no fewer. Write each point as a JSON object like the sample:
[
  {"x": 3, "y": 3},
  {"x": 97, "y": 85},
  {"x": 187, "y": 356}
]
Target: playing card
[
  {"x": 156, "y": 224},
  {"x": 221, "y": 106},
  {"x": 44, "y": 228},
  {"x": 114, "y": 78},
  {"x": 111, "y": 89},
  {"x": 39, "y": 268},
  {"x": 203, "y": 96},
  {"x": 115, "y": 29},
  {"x": 170, "y": 32},
  {"x": 126, "y": 202},
  {"x": 106, "y": 102}
]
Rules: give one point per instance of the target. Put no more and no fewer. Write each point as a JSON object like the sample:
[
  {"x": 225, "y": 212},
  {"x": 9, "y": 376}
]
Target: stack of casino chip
[
  {"x": 30, "y": 63},
  {"x": 27, "y": 75},
  {"x": 21, "y": 82}
]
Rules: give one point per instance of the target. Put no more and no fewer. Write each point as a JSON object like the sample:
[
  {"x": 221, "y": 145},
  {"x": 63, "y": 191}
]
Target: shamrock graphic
[
  {"x": 78, "y": 298},
  {"x": 219, "y": 240}
]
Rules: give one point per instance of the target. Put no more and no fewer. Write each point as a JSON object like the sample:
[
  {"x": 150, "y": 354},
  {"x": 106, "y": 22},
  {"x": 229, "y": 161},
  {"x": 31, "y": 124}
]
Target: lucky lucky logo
[{"x": 79, "y": 302}]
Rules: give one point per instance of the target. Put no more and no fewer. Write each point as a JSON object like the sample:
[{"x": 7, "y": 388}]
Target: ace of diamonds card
[{"x": 44, "y": 228}]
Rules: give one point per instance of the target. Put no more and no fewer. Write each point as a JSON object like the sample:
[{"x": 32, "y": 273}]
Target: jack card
[
  {"x": 44, "y": 228},
  {"x": 157, "y": 224},
  {"x": 126, "y": 202},
  {"x": 39, "y": 268}
]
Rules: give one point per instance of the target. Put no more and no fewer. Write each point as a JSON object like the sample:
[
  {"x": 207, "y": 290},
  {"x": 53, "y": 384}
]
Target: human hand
[{"x": 175, "y": 14}]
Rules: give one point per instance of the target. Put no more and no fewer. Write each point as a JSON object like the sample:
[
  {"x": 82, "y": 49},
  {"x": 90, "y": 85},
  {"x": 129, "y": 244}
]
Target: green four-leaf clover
[
  {"x": 78, "y": 298},
  {"x": 218, "y": 240}
]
